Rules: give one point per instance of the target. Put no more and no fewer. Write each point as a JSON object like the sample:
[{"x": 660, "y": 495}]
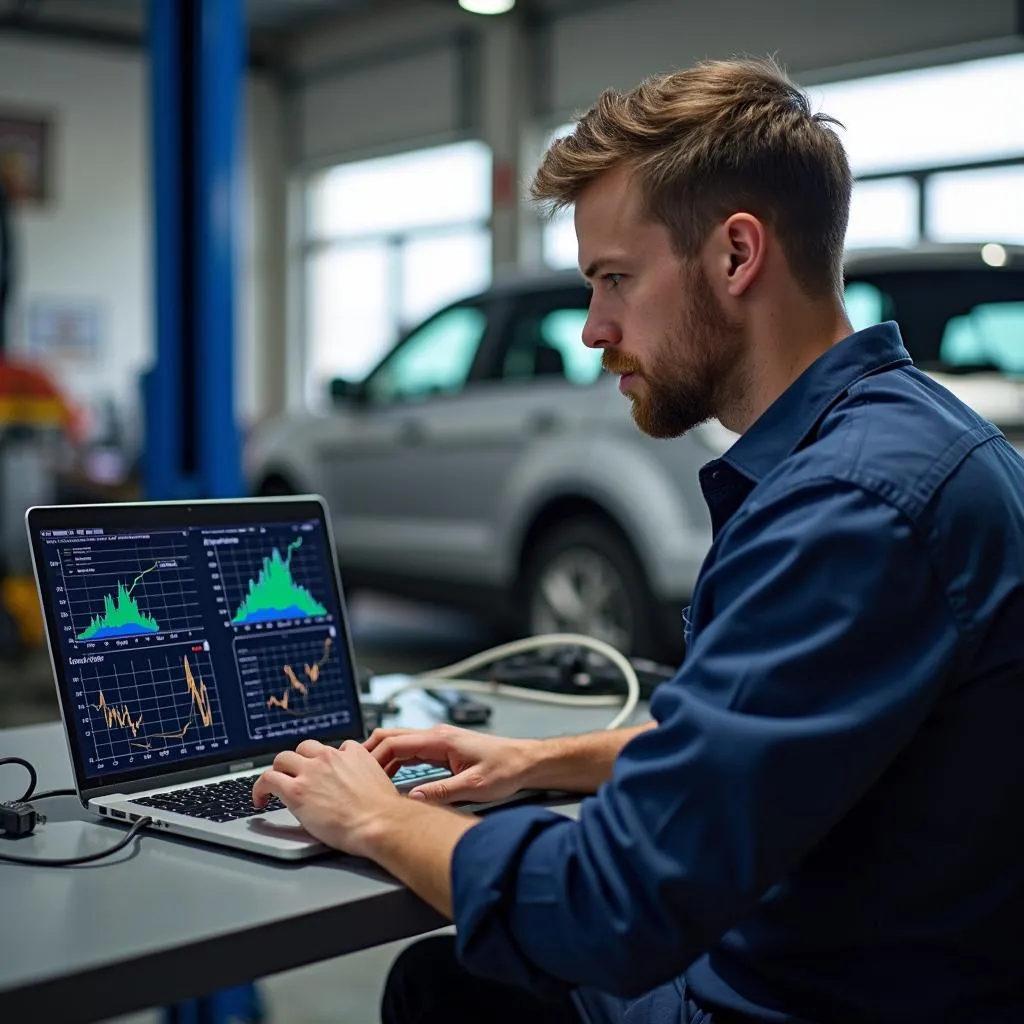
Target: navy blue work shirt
[{"x": 826, "y": 824}]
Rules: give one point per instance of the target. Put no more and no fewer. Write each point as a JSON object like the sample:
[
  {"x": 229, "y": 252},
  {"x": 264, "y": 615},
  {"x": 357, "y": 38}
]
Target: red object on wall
[{"x": 503, "y": 183}]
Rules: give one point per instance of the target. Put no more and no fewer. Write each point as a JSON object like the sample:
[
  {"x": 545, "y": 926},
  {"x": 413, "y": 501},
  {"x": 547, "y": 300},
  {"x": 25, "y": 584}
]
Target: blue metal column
[
  {"x": 162, "y": 396},
  {"x": 192, "y": 439},
  {"x": 193, "y": 447},
  {"x": 218, "y": 136}
]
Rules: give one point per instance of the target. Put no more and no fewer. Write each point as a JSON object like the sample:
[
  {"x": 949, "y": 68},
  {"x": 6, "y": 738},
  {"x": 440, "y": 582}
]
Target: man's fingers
[
  {"x": 379, "y": 735},
  {"x": 414, "y": 746},
  {"x": 273, "y": 783},
  {"x": 448, "y": 791},
  {"x": 289, "y": 762},
  {"x": 309, "y": 748}
]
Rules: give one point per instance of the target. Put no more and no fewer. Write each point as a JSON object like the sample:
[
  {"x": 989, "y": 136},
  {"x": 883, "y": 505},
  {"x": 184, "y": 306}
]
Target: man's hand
[
  {"x": 339, "y": 795},
  {"x": 483, "y": 767}
]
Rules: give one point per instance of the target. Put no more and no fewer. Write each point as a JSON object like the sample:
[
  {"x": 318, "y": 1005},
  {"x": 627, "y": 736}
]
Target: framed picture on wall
[{"x": 26, "y": 142}]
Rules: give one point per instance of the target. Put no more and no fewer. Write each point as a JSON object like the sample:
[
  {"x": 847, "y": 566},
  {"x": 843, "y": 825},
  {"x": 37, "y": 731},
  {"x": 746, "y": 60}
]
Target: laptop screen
[{"x": 187, "y": 635}]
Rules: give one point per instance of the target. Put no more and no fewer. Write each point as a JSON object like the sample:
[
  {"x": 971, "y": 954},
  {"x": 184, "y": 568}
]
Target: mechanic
[{"x": 823, "y": 821}]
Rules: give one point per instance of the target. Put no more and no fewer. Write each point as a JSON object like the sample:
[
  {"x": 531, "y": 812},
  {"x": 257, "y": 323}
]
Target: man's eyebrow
[{"x": 596, "y": 266}]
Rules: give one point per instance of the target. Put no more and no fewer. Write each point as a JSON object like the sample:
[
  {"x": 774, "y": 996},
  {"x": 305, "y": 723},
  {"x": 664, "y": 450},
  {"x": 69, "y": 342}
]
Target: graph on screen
[
  {"x": 153, "y": 702},
  {"x": 293, "y": 683},
  {"x": 121, "y": 587},
  {"x": 275, "y": 585}
]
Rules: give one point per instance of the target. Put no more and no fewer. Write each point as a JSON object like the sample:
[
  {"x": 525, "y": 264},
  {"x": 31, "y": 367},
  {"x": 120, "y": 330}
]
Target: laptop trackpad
[{"x": 280, "y": 823}]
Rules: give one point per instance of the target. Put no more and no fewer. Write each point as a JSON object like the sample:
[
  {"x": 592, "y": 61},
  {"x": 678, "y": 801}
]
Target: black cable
[
  {"x": 31, "y": 793},
  {"x": 62, "y": 862},
  {"x": 65, "y": 862},
  {"x": 32, "y": 777}
]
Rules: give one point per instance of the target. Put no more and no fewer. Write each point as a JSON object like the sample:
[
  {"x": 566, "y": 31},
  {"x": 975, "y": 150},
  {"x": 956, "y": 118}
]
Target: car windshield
[{"x": 961, "y": 322}]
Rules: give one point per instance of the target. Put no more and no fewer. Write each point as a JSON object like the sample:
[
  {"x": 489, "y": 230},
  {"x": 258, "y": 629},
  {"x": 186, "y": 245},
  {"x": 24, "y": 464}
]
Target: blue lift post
[
  {"x": 197, "y": 51},
  {"x": 193, "y": 447}
]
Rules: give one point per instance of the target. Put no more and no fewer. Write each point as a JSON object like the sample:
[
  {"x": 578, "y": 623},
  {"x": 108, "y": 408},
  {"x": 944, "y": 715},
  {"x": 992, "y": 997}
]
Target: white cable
[
  {"x": 448, "y": 673},
  {"x": 580, "y": 700}
]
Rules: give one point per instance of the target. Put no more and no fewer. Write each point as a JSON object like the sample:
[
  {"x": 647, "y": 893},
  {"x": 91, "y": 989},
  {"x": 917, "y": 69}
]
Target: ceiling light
[
  {"x": 487, "y": 6},
  {"x": 994, "y": 254}
]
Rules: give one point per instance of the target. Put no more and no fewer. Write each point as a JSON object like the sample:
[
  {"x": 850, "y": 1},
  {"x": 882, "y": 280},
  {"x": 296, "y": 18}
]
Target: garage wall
[
  {"x": 93, "y": 242},
  {"x": 620, "y": 44},
  {"x": 375, "y": 84}
]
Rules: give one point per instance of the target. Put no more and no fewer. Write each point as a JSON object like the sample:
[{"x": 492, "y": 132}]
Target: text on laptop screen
[{"x": 181, "y": 644}]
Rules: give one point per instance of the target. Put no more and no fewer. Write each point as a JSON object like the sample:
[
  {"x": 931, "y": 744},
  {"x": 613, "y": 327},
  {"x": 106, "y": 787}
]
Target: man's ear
[{"x": 742, "y": 249}]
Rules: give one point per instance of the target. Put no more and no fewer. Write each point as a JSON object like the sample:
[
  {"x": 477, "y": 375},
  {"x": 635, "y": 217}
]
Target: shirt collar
[{"x": 787, "y": 422}]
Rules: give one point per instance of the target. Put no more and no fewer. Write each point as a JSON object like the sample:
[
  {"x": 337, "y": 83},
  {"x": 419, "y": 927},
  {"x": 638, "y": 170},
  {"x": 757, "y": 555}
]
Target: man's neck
[{"x": 781, "y": 348}]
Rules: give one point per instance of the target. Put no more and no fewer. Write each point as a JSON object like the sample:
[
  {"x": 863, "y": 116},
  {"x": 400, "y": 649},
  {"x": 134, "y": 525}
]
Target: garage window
[{"x": 389, "y": 241}]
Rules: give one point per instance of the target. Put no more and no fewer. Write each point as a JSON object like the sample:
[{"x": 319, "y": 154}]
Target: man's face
[{"x": 653, "y": 314}]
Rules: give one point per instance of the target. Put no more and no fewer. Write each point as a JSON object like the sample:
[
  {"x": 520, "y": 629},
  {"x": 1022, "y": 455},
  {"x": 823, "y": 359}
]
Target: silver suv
[{"x": 487, "y": 463}]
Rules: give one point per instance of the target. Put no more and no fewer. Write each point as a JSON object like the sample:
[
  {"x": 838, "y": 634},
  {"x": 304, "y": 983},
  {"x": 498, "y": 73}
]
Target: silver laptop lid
[{"x": 190, "y": 638}]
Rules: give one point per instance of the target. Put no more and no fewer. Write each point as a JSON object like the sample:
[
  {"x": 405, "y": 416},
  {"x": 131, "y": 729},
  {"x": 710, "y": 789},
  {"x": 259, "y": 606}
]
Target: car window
[
  {"x": 952, "y": 321},
  {"x": 866, "y": 305},
  {"x": 435, "y": 359},
  {"x": 549, "y": 343},
  {"x": 990, "y": 336}
]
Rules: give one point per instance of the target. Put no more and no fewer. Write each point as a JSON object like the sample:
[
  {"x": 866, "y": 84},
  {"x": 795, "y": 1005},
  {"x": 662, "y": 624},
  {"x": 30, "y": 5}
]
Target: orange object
[
  {"x": 28, "y": 395},
  {"x": 19, "y": 597}
]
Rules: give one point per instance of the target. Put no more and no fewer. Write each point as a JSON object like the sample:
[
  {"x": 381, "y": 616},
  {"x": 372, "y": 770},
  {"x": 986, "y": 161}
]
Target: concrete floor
[{"x": 389, "y": 636}]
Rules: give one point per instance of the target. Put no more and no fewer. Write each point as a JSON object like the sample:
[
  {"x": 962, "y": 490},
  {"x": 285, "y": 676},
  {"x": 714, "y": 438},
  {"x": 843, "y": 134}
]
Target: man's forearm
[
  {"x": 578, "y": 764},
  {"x": 416, "y": 846}
]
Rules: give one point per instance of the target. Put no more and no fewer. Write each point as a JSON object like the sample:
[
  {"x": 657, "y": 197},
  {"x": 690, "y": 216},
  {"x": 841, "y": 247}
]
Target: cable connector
[{"x": 18, "y": 818}]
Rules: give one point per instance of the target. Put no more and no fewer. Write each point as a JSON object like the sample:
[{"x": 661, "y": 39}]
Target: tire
[{"x": 588, "y": 554}]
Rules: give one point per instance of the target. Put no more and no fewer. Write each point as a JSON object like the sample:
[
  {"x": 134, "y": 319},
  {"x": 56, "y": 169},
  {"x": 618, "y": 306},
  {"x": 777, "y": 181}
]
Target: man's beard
[{"x": 683, "y": 382}]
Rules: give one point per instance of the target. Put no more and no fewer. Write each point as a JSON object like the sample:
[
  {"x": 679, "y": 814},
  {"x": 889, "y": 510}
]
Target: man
[{"x": 823, "y": 821}]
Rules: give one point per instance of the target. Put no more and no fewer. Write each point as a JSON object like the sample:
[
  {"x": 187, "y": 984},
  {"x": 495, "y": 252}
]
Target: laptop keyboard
[{"x": 232, "y": 799}]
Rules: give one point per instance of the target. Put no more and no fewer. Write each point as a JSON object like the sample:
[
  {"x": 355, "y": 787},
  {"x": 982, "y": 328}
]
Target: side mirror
[{"x": 345, "y": 391}]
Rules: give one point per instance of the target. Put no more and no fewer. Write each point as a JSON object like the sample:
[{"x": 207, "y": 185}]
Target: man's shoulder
[{"x": 899, "y": 435}]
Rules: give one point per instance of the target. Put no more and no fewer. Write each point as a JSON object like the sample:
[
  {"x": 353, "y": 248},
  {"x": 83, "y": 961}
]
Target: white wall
[
  {"x": 91, "y": 241},
  {"x": 94, "y": 240}
]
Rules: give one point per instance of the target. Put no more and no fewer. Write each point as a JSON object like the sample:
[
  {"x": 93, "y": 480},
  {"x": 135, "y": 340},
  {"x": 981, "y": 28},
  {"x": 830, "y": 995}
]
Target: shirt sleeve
[{"x": 827, "y": 640}]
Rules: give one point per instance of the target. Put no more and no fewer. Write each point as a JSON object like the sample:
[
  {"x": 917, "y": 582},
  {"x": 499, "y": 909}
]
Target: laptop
[{"x": 190, "y": 643}]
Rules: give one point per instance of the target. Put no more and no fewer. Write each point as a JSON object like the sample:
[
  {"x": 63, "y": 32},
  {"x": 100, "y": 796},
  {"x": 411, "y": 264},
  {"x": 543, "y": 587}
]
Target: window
[
  {"x": 433, "y": 360},
  {"x": 990, "y": 336},
  {"x": 389, "y": 242},
  {"x": 973, "y": 206},
  {"x": 547, "y": 341},
  {"x": 953, "y": 321},
  {"x": 866, "y": 305},
  {"x": 956, "y": 113},
  {"x": 883, "y": 213},
  {"x": 904, "y": 129}
]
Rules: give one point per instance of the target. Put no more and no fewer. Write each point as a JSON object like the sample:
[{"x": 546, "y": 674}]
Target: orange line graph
[
  {"x": 297, "y": 685},
  {"x": 118, "y": 715},
  {"x": 122, "y": 716}
]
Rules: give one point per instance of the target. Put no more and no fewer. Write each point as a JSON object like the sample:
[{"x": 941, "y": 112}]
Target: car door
[
  {"x": 385, "y": 485},
  {"x": 535, "y": 384}
]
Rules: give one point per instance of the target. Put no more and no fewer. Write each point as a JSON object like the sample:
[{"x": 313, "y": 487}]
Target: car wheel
[{"x": 582, "y": 576}]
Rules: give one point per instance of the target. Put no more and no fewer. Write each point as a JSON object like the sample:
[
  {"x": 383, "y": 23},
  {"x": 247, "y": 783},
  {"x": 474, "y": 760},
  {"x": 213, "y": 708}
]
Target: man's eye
[{"x": 613, "y": 280}]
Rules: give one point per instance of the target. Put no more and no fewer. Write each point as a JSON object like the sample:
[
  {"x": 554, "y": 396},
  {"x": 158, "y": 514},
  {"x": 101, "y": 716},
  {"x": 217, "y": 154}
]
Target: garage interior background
[{"x": 385, "y": 147}]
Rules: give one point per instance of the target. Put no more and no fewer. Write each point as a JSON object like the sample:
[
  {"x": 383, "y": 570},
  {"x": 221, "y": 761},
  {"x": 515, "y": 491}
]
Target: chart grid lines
[
  {"x": 241, "y": 564},
  {"x": 154, "y": 573},
  {"x": 145, "y": 705},
  {"x": 293, "y": 683}
]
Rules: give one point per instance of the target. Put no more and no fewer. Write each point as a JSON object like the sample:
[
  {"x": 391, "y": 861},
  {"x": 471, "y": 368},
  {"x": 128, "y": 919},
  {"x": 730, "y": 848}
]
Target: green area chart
[
  {"x": 121, "y": 615},
  {"x": 274, "y": 595}
]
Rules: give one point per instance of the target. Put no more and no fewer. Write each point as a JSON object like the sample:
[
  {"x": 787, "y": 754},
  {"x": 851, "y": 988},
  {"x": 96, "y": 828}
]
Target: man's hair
[{"x": 718, "y": 138}]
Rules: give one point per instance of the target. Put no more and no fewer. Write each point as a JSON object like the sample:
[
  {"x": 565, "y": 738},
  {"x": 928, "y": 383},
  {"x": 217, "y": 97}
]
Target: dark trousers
[{"x": 427, "y": 985}]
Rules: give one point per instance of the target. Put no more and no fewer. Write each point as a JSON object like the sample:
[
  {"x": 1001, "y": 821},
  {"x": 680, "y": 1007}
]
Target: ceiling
[{"x": 123, "y": 21}]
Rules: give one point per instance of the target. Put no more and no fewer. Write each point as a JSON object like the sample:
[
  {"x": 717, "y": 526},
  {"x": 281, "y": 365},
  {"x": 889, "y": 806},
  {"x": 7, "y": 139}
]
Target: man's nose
[{"x": 600, "y": 331}]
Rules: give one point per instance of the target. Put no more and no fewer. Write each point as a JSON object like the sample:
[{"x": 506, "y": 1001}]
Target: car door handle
[
  {"x": 411, "y": 432},
  {"x": 545, "y": 422}
]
